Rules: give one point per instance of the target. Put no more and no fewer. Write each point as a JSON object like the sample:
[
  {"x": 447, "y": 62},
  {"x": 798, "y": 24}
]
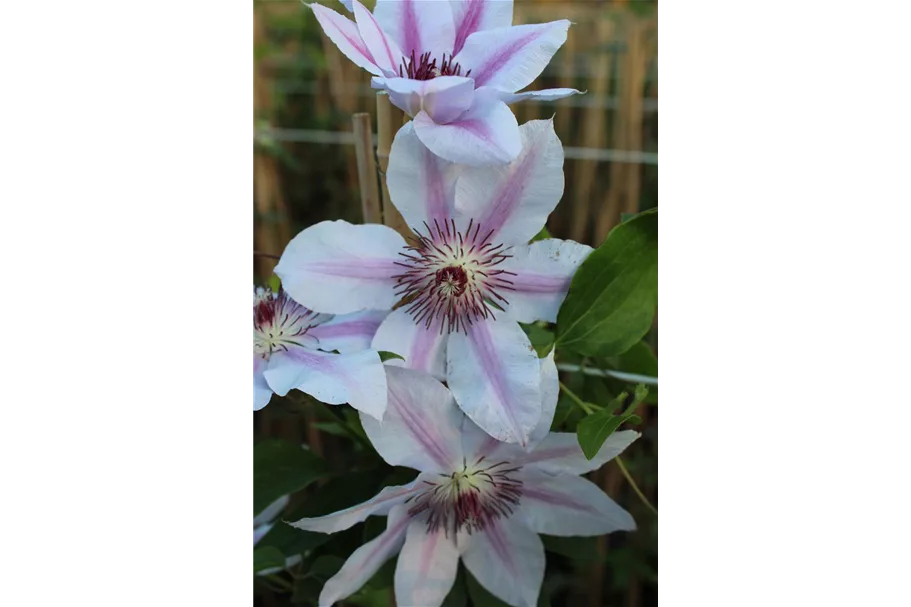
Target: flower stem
[
  {"x": 587, "y": 407},
  {"x": 280, "y": 582},
  {"x": 635, "y": 487},
  {"x": 628, "y": 377}
]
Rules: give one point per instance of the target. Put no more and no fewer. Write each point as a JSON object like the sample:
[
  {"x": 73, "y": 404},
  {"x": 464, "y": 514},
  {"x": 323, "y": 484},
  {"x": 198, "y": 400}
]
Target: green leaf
[
  {"x": 541, "y": 339},
  {"x": 275, "y": 283},
  {"x": 597, "y": 427},
  {"x": 280, "y": 468},
  {"x": 306, "y": 590},
  {"x": 384, "y": 356},
  {"x": 291, "y": 540},
  {"x": 543, "y": 234},
  {"x": 458, "y": 596},
  {"x": 640, "y": 359},
  {"x": 266, "y": 558},
  {"x": 326, "y": 566},
  {"x": 579, "y": 548},
  {"x": 479, "y": 595},
  {"x": 613, "y": 296}
]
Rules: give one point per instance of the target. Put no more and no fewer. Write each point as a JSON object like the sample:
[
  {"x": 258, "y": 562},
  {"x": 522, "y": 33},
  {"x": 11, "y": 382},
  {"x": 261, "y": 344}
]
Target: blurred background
[{"x": 305, "y": 171}]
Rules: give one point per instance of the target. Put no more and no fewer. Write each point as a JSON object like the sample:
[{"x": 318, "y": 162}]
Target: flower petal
[
  {"x": 569, "y": 505},
  {"x": 418, "y": 25},
  {"x": 472, "y": 16},
  {"x": 543, "y": 271},
  {"x": 507, "y": 559},
  {"x": 510, "y": 58},
  {"x": 543, "y": 95},
  {"x": 495, "y": 376},
  {"x": 349, "y": 332},
  {"x": 271, "y": 511},
  {"x": 550, "y": 393},
  {"x": 514, "y": 201},
  {"x": 336, "y": 268},
  {"x": 477, "y": 444},
  {"x": 385, "y": 52},
  {"x": 358, "y": 379},
  {"x": 484, "y": 135},
  {"x": 444, "y": 98},
  {"x": 559, "y": 452},
  {"x": 365, "y": 561},
  {"x": 344, "y": 33},
  {"x": 259, "y": 532},
  {"x": 420, "y": 429},
  {"x": 423, "y": 349},
  {"x": 421, "y": 184},
  {"x": 348, "y": 5},
  {"x": 427, "y": 566},
  {"x": 380, "y": 504},
  {"x": 262, "y": 393}
]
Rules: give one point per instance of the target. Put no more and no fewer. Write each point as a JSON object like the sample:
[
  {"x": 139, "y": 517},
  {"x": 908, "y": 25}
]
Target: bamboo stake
[
  {"x": 593, "y": 136},
  {"x": 366, "y": 168},
  {"x": 386, "y": 116}
]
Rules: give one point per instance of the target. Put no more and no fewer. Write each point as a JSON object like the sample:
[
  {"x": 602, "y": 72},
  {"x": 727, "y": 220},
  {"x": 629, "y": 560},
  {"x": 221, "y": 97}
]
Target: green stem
[
  {"x": 587, "y": 407},
  {"x": 280, "y": 582},
  {"x": 635, "y": 487},
  {"x": 633, "y": 378}
]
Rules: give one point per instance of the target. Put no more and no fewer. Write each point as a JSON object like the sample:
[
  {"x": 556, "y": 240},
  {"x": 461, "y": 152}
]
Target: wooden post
[
  {"x": 593, "y": 136},
  {"x": 366, "y": 168},
  {"x": 623, "y": 196},
  {"x": 386, "y": 117}
]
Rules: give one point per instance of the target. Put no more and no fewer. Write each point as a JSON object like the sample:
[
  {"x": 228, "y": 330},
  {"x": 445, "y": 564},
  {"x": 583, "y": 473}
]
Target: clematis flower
[
  {"x": 262, "y": 525},
  {"x": 467, "y": 277},
  {"x": 452, "y": 65},
  {"x": 287, "y": 339},
  {"x": 476, "y": 499}
]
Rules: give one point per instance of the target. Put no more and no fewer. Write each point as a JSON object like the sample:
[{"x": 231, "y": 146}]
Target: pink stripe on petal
[
  {"x": 389, "y": 536},
  {"x": 410, "y": 32},
  {"x": 541, "y": 283},
  {"x": 479, "y": 335},
  {"x": 437, "y": 203},
  {"x": 556, "y": 499},
  {"x": 348, "y": 329},
  {"x": 368, "y": 269},
  {"x": 498, "y": 61},
  {"x": 470, "y": 23},
  {"x": 508, "y": 197},
  {"x": 499, "y": 545},
  {"x": 424, "y": 434}
]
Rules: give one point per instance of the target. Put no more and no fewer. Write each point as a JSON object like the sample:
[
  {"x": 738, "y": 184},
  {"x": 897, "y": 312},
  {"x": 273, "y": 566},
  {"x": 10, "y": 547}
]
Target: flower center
[
  {"x": 425, "y": 69},
  {"x": 469, "y": 499},
  {"x": 279, "y": 322},
  {"x": 453, "y": 277}
]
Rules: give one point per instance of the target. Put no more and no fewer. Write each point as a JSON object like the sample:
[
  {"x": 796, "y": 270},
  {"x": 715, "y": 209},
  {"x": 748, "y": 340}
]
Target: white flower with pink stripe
[
  {"x": 465, "y": 280},
  {"x": 452, "y": 65},
  {"x": 476, "y": 499},
  {"x": 292, "y": 349}
]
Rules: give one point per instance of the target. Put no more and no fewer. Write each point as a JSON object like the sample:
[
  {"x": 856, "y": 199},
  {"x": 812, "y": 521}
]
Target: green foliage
[
  {"x": 579, "y": 548},
  {"x": 638, "y": 359},
  {"x": 596, "y": 428},
  {"x": 542, "y": 235},
  {"x": 279, "y": 468},
  {"x": 542, "y": 340},
  {"x": 384, "y": 356},
  {"x": 613, "y": 296},
  {"x": 479, "y": 595},
  {"x": 267, "y": 557}
]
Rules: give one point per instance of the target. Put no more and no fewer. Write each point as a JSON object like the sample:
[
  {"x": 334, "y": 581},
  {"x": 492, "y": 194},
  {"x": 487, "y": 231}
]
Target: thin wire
[{"x": 633, "y": 378}]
